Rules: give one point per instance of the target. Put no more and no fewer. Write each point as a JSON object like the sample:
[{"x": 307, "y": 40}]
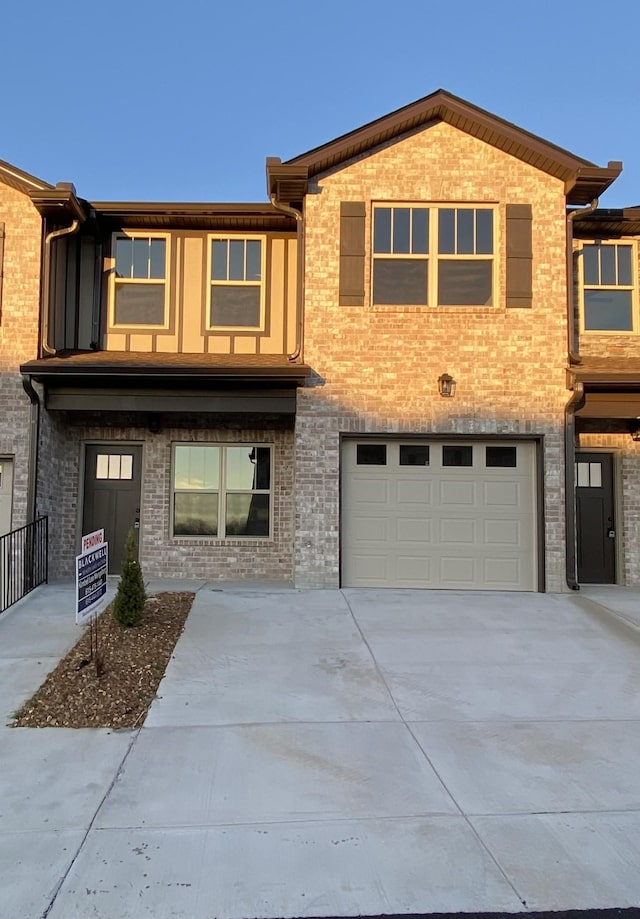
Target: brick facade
[
  {"x": 375, "y": 371},
  {"x": 61, "y": 485},
  {"x": 19, "y": 311},
  {"x": 377, "y": 367}
]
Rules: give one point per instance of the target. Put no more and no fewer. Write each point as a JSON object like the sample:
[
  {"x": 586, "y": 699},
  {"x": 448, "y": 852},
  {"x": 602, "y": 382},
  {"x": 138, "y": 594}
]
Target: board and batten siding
[{"x": 187, "y": 331}]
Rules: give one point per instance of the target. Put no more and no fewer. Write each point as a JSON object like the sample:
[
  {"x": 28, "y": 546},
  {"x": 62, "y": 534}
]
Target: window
[
  {"x": 371, "y": 455},
  {"x": 457, "y": 456},
  {"x": 589, "y": 475},
  {"x": 221, "y": 491},
  {"x": 114, "y": 466},
  {"x": 433, "y": 255},
  {"x": 500, "y": 457},
  {"x": 139, "y": 288},
  {"x": 414, "y": 455},
  {"x": 236, "y": 283},
  {"x": 608, "y": 287}
]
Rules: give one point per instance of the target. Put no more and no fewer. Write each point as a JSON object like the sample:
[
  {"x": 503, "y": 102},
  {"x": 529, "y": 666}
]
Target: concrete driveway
[{"x": 336, "y": 753}]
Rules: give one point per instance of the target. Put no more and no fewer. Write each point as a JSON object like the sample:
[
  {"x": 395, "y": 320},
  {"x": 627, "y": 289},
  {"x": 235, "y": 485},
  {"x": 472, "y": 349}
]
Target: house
[{"x": 416, "y": 366}]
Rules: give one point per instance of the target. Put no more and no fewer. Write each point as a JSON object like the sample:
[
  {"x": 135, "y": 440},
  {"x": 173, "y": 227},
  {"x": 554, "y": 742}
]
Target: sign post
[{"x": 92, "y": 566}]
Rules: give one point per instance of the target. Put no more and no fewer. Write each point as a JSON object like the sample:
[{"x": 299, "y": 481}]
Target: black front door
[
  {"x": 112, "y": 477},
  {"x": 595, "y": 518}
]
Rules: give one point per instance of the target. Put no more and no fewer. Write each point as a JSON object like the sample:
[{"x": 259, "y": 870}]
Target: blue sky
[{"x": 182, "y": 101}]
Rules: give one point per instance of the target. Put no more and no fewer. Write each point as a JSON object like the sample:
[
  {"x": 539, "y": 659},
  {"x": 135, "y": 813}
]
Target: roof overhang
[
  {"x": 177, "y": 216},
  {"x": 21, "y": 180},
  {"x": 287, "y": 182},
  {"x": 611, "y": 391},
  {"x": 59, "y": 204},
  {"x": 608, "y": 223},
  {"x": 582, "y": 179},
  {"x": 106, "y": 368},
  {"x": 168, "y": 384}
]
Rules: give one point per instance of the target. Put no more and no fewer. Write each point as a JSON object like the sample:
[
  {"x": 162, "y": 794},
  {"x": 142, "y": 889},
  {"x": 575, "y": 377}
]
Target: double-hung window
[
  {"x": 139, "y": 292},
  {"x": 222, "y": 491},
  {"x": 236, "y": 283},
  {"x": 608, "y": 287},
  {"x": 433, "y": 255}
]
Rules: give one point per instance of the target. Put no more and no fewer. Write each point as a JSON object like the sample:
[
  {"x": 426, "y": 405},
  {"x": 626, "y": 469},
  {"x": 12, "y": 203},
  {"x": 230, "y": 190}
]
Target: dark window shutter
[
  {"x": 1, "y": 264},
  {"x": 519, "y": 256},
  {"x": 352, "y": 235}
]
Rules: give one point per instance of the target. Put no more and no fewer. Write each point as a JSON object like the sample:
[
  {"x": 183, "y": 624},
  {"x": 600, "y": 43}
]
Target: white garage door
[{"x": 441, "y": 515}]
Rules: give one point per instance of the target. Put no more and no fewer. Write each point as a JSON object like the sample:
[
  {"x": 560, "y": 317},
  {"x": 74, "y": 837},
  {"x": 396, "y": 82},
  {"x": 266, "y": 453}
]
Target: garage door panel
[
  {"x": 457, "y": 492},
  {"x": 373, "y": 569},
  {"x": 416, "y": 529},
  {"x": 410, "y": 492},
  {"x": 470, "y": 527},
  {"x": 372, "y": 491},
  {"x": 503, "y": 532},
  {"x": 372, "y": 529},
  {"x": 503, "y": 573},
  {"x": 506, "y": 494},
  {"x": 412, "y": 571},
  {"x": 462, "y": 530},
  {"x": 457, "y": 571}
]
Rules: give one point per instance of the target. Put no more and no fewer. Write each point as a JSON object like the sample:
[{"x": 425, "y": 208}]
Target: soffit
[
  {"x": 611, "y": 222},
  {"x": 606, "y": 373},
  {"x": 193, "y": 216}
]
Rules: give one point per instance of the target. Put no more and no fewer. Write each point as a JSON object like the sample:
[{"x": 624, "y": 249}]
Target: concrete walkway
[{"x": 317, "y": 753}]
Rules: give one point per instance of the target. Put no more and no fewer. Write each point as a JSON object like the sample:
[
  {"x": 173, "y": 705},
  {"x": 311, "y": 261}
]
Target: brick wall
[
  {"x": 19, "y": 311},
  {"x": 376, "y": 369},
  {"x": 62, "y": 439}
]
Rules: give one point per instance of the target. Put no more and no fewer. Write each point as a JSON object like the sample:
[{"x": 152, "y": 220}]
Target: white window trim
[
  {"x": 261, "y": 237},
  {"x": 633, "y": 287},
  {"x": 222, "y": 492},
  {"x": 433, "y": 257},
  {"x": 135, "y": 327}
]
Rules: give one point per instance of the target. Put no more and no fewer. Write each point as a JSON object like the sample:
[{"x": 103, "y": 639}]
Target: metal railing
[{"x": 23, "y": 561}]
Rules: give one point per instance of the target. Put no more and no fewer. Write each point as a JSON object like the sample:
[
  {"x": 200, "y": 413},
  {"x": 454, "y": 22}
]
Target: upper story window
[
  {"x": 608, "y": 288},
  {"x": 139, "y": 293},
  {"x": 433, "y": 255},
  {"x": 236, "y": 289}
]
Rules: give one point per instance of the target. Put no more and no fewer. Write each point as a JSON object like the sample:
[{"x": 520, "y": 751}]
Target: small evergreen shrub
[{"x": 129, "y": 602}]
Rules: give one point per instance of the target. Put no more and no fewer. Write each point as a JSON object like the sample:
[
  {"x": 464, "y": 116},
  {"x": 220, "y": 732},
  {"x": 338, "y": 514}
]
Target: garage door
[{"x": 440, "y": 515}]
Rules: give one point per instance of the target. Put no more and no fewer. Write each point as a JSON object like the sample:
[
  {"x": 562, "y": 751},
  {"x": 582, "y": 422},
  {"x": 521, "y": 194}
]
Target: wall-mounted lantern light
[
  {"x": 446, "y": 385},
  {"x": 635, "y": 431}
]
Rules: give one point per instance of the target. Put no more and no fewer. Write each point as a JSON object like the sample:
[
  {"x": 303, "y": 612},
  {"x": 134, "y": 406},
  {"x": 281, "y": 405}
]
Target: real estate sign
[{"x": 91, "y": 575}]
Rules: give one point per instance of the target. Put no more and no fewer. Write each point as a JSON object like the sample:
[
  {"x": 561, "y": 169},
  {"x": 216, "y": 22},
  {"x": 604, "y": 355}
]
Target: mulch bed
[{"x": 132, "y": 663}]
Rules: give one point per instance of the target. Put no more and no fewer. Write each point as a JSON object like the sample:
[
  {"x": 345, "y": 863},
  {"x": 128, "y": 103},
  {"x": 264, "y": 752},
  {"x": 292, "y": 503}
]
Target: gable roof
[
  {"x": 21, "y": 180},
  {"x": 583, "y": 180}
]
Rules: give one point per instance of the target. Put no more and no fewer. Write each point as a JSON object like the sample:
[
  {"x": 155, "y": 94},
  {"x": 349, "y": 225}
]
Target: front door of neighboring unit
[
  {"x": 457, "y": 514},
  {"x": 6, "y": 494},
  {"x": 595, "y": 518},
  {"x": 112, "y": 478}
]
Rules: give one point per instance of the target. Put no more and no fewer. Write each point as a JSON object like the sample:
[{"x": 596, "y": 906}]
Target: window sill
[
  {"x": 234, "y": 541},
  {"x": 437, "y": 309},
  {"x": 609, "y": 333}
]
